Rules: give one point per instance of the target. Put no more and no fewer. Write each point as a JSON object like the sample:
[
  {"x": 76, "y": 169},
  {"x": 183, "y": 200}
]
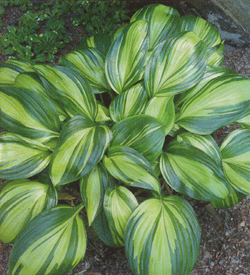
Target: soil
[{"x": 225, "y": 245}]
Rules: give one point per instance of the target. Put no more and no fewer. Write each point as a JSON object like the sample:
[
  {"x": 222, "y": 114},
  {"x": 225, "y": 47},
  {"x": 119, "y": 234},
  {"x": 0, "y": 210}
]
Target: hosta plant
[{"x": 128, "y": 121}]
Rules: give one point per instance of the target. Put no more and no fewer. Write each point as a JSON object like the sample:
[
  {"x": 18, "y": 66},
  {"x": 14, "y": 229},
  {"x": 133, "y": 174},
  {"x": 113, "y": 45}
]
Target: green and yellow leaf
[
  {"x": 53, "y": 243},
  {"x": 216, "y": 55},
  {"x": 211, "y": 73},
  {"x": 119, "y": 203},
  {"x": 126, "y": 57},
  {"x": 10, "y": 69},
  {"x": 81, "y": 146},
  {"x": 163, "y": 109},
  {"x": 101, "y": 227},
  {"x": 232, "y": 199},
  {"x": 235, "y": 152},
  {"x": 103, "y": 114},
  {"x": 163, "y": 22},
  {"x": 143, "y": 133},
  {"x": 21, "y": 157},
  {"x": 222, "y": 101},
  {"x": 129, "y": 103},
  {"x": 245, "y": 120},
  {"x": 90, "y": 63},
  {"x": 32, "y": 82},
  {"x": 130, "y": 167},
  {"x": 70, "y": 89},
  {"x": 28, "y": 114},
  {"x": 20, "y": 202},
  {"x": 175, "y": 65},
  {"x": 205, "y": 143},
  {"x": 162, "y": 236},
  {"x": 93, "y": 186},
  {"x": 190, "y": 171},
  {"x": 202, "y": 28}
]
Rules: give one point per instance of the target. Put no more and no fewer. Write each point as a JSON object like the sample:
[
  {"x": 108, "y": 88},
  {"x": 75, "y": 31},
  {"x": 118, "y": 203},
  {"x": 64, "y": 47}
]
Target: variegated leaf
[
  {"x": 10, "y": 69},
  {"x": 162, "y": 236},
  {"x": 235, "y": 152},
  {"x": 222, "y": 101},
  {"x": 69, "y": 89},
  {"x": 28, "y": 114},
  {"x": 205, "y": 143},
  {"x": 216, "y": 55},
  {"x": 245, "y": 120},
  {"x": 119, "y": 203},
  {"x": 52, "y": 243},
  {"x": 163, "y": 109},
  {"x": 32, "y": 82},
  {"x": 130, "y": 167},
  {"x": 116, "y": 31},
  {"x": 126, "y": 57},
  {"x": 175, "y": 65},
  {"x": 143, "y": 133},
  {"x": 93, "y": 186},
  {"x": 232, "y": 199},
  {"x": 20, "y": 202},
  {"x": 90, "y": 63},
  {"x": 103, "y": 114},
  {"x": 101, "y": 227},
  {"x": 163, "y": 22},
  {"x": 205, "y": 30},
  {"x": 21, "y": 157},
  {"x": 81, "y": 146},
  {"x": 211, "y": 73},
  {"x": 190, "y": 171},
  {"x": 129, "y": 103}
]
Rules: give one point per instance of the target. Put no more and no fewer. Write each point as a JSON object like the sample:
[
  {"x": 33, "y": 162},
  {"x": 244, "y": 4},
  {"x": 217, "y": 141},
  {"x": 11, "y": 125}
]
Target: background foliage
[{"x": 42, "y": 28}]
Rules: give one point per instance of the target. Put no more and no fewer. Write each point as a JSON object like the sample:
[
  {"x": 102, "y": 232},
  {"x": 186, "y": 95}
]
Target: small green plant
[
  {"x": 39, "y": 35},
  {"x": 129, "y": 117}
]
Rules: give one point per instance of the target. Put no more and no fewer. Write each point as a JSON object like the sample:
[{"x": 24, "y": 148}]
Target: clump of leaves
[
  {"x": 115, "y": 117},
  {"x": 39, "y": 35}
]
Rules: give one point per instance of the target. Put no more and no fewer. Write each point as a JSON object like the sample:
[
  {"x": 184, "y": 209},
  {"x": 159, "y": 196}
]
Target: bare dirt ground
[{"x": 225, "y": 245}]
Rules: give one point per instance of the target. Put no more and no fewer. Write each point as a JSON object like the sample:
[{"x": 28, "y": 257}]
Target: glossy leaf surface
[
  {"x": 205, "y": 30},
  {"x": 190, "y": 171},
  {"x": 129, "y": 103},
  {"x": 232, "y": 199},
  {"x": 175, "y": 65},
  {"x": 81, "y": 146},
  {"x": 163, "y": 22},
  {"x": 32, "y": 82},
  {"x": 21, "y": 157},
  {"x": 211, "y": 73},
  {"x": 10, "y": 69},
  {"x": 163, "y": 109},
  {"x": 57, "y": 245},
  {"x": 20, "y": 202},
  {"x": 222, "y": 101},
  {"x": 205, "y": 143},
  {"x": 130, "y": 167},
  {"x": 235, "y": 152},
  {"x": 90, "y": 63},
  {"x": 70, "y": 89},
  {"x": 127, "y": 55},
  {"x": 162, "y": 236},
  {"x": 119, "y": 203},
  {"x": 216, "y": 55},
  {"x": 143, "y": 133},
  {"x": 28, "y": 114},
  {"x": 93, "y": 186}
]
